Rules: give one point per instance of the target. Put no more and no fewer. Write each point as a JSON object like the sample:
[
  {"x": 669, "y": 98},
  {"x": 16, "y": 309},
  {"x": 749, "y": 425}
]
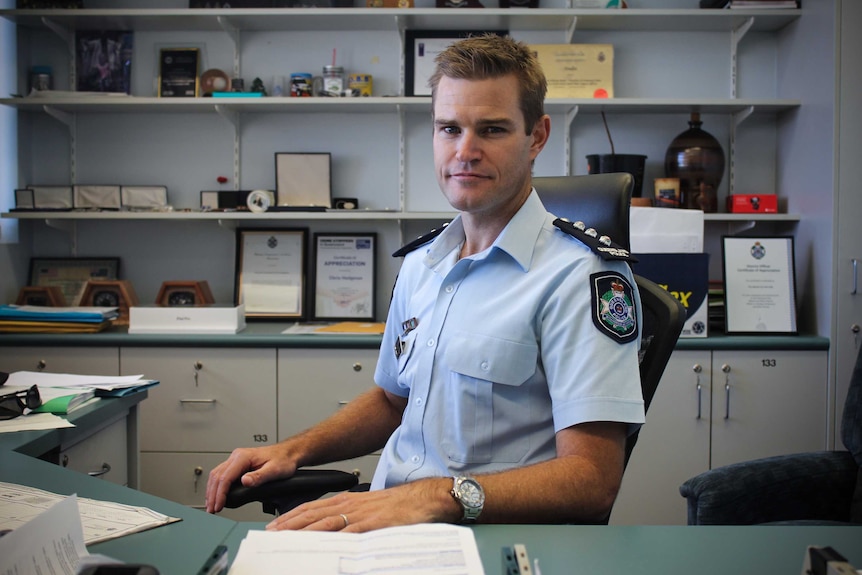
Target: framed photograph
[
  {"x": 759, "y": 285},
  {"x": 303, "y": 180},
  {"x": 344, "y": 276},
  {"x": 103, "y": 60},
  {"x": 270, "y": 273},
  {"x": 421, "y": 47},
  {"x": 72, "y": 274},
  {"x": 179, "y": 72}
]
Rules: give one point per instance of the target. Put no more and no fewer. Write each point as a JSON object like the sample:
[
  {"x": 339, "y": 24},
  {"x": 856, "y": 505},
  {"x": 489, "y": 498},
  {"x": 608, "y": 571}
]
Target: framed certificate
[
  {"x": 71, "y": 274},
  {"x": 178, "y": 73},
  {"x": 759, "y": 285},
  {"x": 421, "y": 47},
  {"x": 344, "y": 276},
  {"x": 270, "y": 273}
]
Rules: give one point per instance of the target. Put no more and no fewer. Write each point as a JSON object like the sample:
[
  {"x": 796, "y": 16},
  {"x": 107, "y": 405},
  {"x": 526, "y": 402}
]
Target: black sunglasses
[{"x": 13, "y": 404}]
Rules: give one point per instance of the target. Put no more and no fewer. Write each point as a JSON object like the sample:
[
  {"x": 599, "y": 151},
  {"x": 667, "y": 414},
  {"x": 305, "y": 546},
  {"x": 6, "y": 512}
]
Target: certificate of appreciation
[
  {"x": 344, "y": 276},
  {"x": 270, "y": 279},
  {"x": 760, "y": 290}
]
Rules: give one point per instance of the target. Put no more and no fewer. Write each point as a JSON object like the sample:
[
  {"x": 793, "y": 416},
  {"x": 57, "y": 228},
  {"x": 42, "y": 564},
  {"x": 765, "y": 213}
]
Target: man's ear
[{"x": 541, "y": 133}]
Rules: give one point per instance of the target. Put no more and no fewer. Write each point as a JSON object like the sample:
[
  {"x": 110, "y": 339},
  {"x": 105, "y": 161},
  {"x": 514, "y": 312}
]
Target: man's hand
[
  {"x": 423, "y": 501},
  {"x": 254, "y": 466}
]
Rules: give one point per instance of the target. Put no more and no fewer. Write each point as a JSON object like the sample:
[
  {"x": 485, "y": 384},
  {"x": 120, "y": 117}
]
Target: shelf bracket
[
  {"x": 69, "y": 120},
  {"x": 570, "y": 31},
  {"x": 402, "y": 170},
  {"x": 571, "y": 114},
  {"x": 69, "y": 38},
  {"x": 736, "y": 37},
  {"x": 734, "y": 228},
  {"x": 232, "y": 116},
  {"x": 736, "y": 120},
  {"x": 71, "y": 228},
  {"x": 229, "y": 225},
  {"x": 234, "y": 34}
]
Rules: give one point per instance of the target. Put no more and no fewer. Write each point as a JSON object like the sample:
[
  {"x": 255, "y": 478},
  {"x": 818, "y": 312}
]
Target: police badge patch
[{"x": 614, "y": 310}]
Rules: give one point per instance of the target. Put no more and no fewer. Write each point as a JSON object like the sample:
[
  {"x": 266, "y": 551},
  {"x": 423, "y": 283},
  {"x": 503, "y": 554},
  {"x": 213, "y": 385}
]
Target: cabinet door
[
  {"x": 79, "y": 360},
  {"x": 209, "y": 399},
  {"x": 673, "y": 445},
  {"x": 102, "y": 454},
  {"x": 314, "y": 383},
  {"x": 767, "y": 403}
]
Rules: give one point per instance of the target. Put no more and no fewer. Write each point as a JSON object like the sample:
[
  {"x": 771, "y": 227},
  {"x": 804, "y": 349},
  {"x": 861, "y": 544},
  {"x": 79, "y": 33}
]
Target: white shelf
[
  {"x": 134, "y": 104},
  {"x": 396, "y": 19},
  {"x": 364, "y": 215}
]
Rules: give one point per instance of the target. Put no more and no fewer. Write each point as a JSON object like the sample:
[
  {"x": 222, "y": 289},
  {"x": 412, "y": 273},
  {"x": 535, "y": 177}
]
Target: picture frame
[
  {"x": 420, "y": 49},
  {"x": 759, "y": 285},
  {"x": 303, "y": 180},
  {"x": 103, "y": 60},
  {"x": 271, "y": 273},
  {"x": 72, "y": 274},
  {"x": 345, "y": 272},
  {"x": 179, "y": 72}
]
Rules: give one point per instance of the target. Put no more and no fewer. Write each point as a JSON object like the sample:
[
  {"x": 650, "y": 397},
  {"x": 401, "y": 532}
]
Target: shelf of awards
[
  {"x": 329, "y": 215},
  {"x": 397, "y": 19},
  {"x": 375, "y": 105}
]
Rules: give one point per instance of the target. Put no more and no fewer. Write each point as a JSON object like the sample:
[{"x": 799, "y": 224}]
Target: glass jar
[{"x": 333, "y": 80}]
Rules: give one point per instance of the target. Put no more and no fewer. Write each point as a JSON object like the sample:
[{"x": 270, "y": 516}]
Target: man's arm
[
  {"x": 359, "y": 428},
  {"x": 579, "y": 485}
]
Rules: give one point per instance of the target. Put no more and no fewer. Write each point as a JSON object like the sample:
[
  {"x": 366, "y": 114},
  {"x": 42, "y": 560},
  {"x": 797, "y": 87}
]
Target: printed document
[{"x": 425, "y": 549}]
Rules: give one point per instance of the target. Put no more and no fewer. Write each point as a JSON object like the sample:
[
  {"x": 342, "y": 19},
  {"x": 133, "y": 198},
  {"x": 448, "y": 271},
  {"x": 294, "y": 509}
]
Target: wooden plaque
[
  {"x": 49, "y": 296},
  {"x": 111, "y": 293},
  {"x": 185, "y": 293}
]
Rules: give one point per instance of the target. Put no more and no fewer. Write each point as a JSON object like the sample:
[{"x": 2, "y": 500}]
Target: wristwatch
[{"x": 470, "y": 495}]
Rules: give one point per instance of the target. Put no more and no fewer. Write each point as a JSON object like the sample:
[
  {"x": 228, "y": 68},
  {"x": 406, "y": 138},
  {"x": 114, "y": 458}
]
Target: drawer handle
[
  {"x": 197, "y": 401},
  {"x": 105, "y": 469}
]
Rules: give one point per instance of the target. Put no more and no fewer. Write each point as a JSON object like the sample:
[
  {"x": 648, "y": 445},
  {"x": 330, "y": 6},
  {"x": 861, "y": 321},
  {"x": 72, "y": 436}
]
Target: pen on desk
[{"x": 216, "y": 563}]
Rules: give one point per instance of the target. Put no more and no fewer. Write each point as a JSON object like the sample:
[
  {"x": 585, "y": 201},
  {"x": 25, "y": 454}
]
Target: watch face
[
  {"x": 106, "y": 299},
  {"x": 471, "y": 494},
  {"x": 180, "y": 298}
]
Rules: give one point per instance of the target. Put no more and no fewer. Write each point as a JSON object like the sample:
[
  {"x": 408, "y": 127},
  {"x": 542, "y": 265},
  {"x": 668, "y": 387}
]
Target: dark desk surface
[
  {"x": 176, "y": 549},
  {"x": 86, "y": 417},
  {"x": 652, "y": 549}
]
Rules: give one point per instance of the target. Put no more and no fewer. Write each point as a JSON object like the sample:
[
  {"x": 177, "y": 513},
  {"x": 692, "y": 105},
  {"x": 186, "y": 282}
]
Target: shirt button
[
  {"x": 415, "y": 459},
  {"x": 430, "y": 343},
  {"x": 484, "y": 365},
  {"x": 450, "y": 289},
  {"x": 418, "y": 401}
]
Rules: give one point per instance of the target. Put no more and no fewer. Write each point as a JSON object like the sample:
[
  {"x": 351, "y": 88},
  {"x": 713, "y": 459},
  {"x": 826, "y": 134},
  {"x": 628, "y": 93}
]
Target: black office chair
[
  {"x": 818, "y": 487},
  {"x": 574, "y": 198},
  {"x": 601, "y": 201}
]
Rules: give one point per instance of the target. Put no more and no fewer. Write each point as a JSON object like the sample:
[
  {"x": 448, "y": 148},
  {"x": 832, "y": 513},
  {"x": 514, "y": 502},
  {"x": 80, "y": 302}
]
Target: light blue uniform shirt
[{"x": 505, "y": 352}]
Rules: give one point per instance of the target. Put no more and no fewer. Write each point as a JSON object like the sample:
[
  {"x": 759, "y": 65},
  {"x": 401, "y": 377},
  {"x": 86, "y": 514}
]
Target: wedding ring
[{"x": 346, "y": 521}]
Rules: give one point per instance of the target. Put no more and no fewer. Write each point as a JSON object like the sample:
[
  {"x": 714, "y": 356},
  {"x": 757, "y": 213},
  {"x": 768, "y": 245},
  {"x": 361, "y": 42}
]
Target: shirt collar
[{"x": 518, "y": 238}]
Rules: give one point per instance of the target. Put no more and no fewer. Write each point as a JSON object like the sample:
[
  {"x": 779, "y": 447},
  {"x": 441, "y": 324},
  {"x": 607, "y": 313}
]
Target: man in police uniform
[{"x": 508, "y": 376}]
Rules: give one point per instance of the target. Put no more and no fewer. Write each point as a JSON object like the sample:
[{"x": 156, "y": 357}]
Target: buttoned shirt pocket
[{"x": 487, "y": 406}]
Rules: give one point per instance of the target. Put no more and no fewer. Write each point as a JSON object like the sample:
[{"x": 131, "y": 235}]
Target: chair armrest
[
  {"x": 804, "y": 486},
  {"x": 281, "y": 495}
]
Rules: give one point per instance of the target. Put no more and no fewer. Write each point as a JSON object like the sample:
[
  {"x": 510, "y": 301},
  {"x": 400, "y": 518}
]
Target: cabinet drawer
[
  {"x": 80, "y": 360},
  {"x": 208, "y": 399},
  {"x": 103, "y": 454},
  {"x": 314, "y": 383},
  {"x": 182, "y": 477}
]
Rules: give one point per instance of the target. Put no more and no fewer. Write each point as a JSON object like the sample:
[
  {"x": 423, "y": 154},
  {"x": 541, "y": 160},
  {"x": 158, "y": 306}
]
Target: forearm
[{"x": 360, "y": 427}]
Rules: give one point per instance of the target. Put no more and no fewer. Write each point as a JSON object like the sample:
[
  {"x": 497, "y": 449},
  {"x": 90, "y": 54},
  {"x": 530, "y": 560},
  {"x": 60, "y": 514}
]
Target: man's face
[{"x": 482, "y": 155}]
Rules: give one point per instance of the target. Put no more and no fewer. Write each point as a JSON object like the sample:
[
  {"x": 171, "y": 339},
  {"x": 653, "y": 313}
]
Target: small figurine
[{"x": 257, "y": 86}]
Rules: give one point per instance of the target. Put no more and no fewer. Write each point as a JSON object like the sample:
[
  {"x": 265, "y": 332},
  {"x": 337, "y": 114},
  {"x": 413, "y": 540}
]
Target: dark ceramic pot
[
  {"x": 615, "y": 163},
  {"x": 697, "y": 159}
]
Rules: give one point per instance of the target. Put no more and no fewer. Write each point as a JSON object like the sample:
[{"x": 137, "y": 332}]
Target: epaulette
[
  {"x": 601, "y": 245},
  {"x": 421, "y": 240}
]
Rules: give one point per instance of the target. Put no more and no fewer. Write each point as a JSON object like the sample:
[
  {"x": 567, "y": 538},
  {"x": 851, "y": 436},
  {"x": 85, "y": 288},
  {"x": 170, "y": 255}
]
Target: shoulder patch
[
  {"x": 600, "y": 245},
  {"x": 614, "y": 308},
  {"x": 421, "y": 240}
]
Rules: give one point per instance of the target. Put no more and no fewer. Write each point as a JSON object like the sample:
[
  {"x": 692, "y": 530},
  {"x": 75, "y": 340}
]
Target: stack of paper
[
  {"x": 31, "y": 318},
  {"x": 63, "y": 392}
]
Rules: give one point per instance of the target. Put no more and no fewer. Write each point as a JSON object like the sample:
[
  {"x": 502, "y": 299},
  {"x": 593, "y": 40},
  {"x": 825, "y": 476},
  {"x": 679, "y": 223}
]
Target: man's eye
[
  {"x": 494, "y": 130},
  {"x": 450, "y": 130}
]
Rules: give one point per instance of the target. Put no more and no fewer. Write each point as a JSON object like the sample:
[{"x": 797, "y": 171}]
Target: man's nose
[{"x": 468, "y": 149}]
